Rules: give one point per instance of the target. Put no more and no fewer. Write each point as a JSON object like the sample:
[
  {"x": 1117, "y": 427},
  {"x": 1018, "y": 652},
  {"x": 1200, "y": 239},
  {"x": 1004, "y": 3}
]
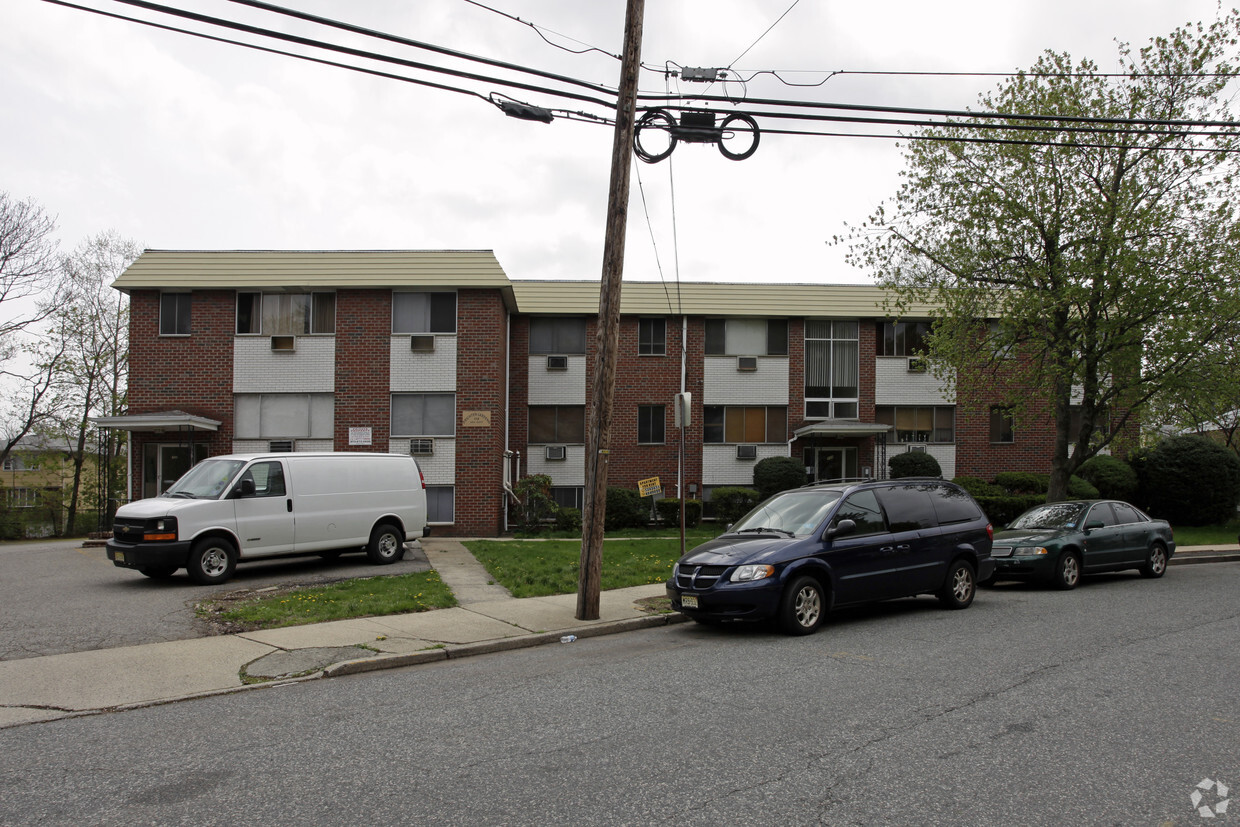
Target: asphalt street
[
  {"x": 57, "y": 597},
  {"x": 1110, "y": 704}
]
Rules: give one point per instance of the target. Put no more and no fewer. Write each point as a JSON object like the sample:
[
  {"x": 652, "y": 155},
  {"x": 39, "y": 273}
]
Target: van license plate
[
  {"x": 119, "y": 556},
  {"x": 689, "y": 601}
]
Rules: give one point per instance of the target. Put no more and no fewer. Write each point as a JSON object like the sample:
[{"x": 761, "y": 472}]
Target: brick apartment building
[{"x": 486, "y": 379}]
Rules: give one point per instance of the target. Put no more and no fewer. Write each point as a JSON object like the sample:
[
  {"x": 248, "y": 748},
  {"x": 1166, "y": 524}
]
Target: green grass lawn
[{"x": 1207, "y": 535}]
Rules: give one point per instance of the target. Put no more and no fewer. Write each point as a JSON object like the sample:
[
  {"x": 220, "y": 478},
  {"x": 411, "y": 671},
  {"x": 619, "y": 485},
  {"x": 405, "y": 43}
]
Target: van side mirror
[
  {"x": 245, "y": 488},
  {"x": 842, "y": 528}
]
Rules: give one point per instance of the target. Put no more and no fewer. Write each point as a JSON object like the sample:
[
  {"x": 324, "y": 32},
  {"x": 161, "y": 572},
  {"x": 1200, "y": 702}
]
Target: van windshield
[
  {"x": 794, "y": 513},
  {"x": 205, "y": 481}
]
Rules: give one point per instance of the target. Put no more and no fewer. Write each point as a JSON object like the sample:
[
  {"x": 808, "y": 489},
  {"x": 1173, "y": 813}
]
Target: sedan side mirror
[
  {"x": 842, "y": 528},
  {"x": 1092, "y": 524}
]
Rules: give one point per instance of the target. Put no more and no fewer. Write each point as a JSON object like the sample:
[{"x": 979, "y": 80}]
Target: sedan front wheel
[{"x": 1067, "y": 571}]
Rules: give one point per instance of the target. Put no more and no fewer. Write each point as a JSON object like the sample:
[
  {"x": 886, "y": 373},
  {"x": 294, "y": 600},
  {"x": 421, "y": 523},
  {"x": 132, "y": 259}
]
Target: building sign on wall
[
  {"x": 476, "y": 419},
  {"x": 359, "y": 436}
]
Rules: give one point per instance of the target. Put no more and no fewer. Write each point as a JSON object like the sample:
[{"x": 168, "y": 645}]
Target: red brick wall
[
  {"x": 1033, "y": 430},
  {"x": 363, "y": 353},
  {"x": 182, "y": 373},
  {"x": 482, "y": 356}
]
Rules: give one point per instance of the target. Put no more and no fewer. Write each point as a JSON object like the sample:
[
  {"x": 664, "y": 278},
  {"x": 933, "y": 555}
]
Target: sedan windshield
[
  {"x": 792, "y": 514},
  {"x": 206, "y": 480},
  {"x": 1052, "y": 515}
]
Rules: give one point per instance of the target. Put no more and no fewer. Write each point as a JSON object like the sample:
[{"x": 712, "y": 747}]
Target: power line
[
  {"x": 765, "y": 33},
  {"x": 540, "y": 29}
]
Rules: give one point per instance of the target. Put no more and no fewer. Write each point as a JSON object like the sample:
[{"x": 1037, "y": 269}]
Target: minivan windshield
[
  {"x": 205, "y": 481},
  {"x": 793, "y": 513},
  {"x": 1053, "y": 515}
]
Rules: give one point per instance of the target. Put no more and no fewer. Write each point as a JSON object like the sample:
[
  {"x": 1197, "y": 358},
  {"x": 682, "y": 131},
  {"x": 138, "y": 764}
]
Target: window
[
  {"x": 423, "y": 312},
  {"x": 286, "y": 314},
  {"x": 549, "y": 334},
  {"x": 569, "y": 497},
  {"x": 24, "y": 497},
  {"x": 908, "y": 506},
  {"x": 1001, "y": 425},
  {"x": 1126, "y": 514},
  {"x": 918, "y": 424},
  {"x": 953, "y": 505},
  {"x": 440, "y": 504},
  {"x": 557, "y": 423},
  {"x": 862, "y": 508},
  {"x": 650, "y": 422},
  {"x": 734, "y": 423},
  {"x": 999, "y": 338},
  {"x": 423, "y": 414},
  {"x": 651, "y": 337},
  {"x": 174, "y": 314},
  {"x": 268, "y": 478},
  {"x": 746, "y": 337},
  {"x": 902, "y": 338},
  {"x": 282, "y": 416},
  {"x": 831, "y": 369}
]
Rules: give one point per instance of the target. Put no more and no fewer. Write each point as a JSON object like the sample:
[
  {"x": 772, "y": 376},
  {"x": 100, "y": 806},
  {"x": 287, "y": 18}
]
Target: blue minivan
[{"x": 805, "y": 551}]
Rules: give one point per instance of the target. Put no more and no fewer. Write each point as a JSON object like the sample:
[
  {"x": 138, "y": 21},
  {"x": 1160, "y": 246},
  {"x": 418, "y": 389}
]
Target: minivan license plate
[{"x": 689, "y": 601}]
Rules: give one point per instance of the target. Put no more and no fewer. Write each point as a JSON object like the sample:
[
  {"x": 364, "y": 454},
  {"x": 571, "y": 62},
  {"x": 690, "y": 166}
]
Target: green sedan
[{"x": 1058, "y": 542}]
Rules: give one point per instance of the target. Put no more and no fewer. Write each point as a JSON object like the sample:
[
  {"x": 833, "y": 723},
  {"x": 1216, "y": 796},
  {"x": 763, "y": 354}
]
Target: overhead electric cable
[
  {"x": 540, "y": 29},
  {"x": 765, "y": 33}
]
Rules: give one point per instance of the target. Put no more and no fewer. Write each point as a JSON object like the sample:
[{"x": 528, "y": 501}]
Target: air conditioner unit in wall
[
  {"x": 557, "y": 363},
  {"x": 556, "y": 452},
  {"x": 423, "y": 446},
  {"x": 746, "y": 363},
  {"x": 422, "y": 344},
  {"x": 283, "y": 344},
  {"x": 917, "y": 364},
  {"x": 746, "y": 451},
  {"x": 917, "y": 449}
]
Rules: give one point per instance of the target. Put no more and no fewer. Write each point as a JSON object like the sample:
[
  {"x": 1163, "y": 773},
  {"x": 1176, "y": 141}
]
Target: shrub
[
  {"x": 568, "y": 519},
  {"x": 914, "y": 464},
  {"x": 625, "y": 509},
  {"x": 1022, "y": 482},
  {"x": 1079, "y": 489},
  {"x": 1190, "y": 480},
  {"x": 536, "y": 504},
  {"x": 669, "y": 512},
  {"x": 978, "y": 487},
  {"x": 732, "y": 503},
  {"x": 1002, "y": 509},
  {"x": 1113, "y": 477},
  {"x": 775, "y": 474}
]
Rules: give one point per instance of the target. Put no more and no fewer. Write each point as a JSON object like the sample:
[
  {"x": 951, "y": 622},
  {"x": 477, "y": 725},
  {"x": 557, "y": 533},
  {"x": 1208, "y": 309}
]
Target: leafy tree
[
  {"x": 1208, "y": 402},
  {"x": 1103, "y": 234}
]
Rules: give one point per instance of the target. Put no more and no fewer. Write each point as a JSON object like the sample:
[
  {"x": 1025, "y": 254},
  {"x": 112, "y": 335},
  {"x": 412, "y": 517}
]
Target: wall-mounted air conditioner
[
  {"x": 916, "y": 364},
  {"x": 283, "y": 344},
  {"x": 746, "y": 451},
  {"x": 422, "y": 446},
  {"x": 917, "y": 449},
  {"x": 556, "y": 452},
  {"x": 557, "y": 363},
  {"x": 422, "y": 344},
  {"x": 746, "y": 363}
]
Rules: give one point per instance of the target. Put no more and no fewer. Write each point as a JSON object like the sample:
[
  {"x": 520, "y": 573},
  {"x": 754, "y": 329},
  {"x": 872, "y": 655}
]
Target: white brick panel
[
  {"x": 423, "y": 372},
  {"x": 723, "y": 384},
  {"x": 721, "y": 467},
  {"x": 945, "y": 454},
  {"x": 311, "y": 368},
  {"x": 895, "y": 385},
  {"x": 557, "y": 387},
  {"x": 569, "y": 471},
  {"x": 440, "y": 467}
]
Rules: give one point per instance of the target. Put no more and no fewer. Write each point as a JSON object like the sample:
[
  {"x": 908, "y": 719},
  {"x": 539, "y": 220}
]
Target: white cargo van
[{"x": 250, "y": 506}]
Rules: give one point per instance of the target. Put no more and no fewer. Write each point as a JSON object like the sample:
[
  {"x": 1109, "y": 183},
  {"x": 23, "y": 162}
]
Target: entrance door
[
  {"x": 163, "y": 464},
  {"x": 831, "y": 463}
]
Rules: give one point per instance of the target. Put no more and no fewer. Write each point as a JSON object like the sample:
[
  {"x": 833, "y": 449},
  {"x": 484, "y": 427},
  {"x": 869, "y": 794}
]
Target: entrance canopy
[
  {"x": 841, "y": 428},
  {"x": 157, "y": 422}
]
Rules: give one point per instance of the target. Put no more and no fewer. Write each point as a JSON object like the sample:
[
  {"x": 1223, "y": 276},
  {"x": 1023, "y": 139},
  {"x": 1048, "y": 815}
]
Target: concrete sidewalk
[{"x": 488, "y": 619}]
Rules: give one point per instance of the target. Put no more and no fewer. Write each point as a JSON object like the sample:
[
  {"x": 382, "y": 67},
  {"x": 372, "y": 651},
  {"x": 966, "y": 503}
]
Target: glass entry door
[
  {"x": 163, "y": 464},
  {"x": 831, "y": 463}
]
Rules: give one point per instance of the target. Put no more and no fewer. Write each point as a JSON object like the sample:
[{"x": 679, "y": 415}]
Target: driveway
[{"x": 57, "y": 597}]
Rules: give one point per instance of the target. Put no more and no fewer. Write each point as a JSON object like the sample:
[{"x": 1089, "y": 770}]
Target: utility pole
[{"x": 599, "y": 437}]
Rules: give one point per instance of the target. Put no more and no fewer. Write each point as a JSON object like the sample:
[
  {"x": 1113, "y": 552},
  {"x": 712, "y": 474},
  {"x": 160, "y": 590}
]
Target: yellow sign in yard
[{"x": 649, "y": 487}]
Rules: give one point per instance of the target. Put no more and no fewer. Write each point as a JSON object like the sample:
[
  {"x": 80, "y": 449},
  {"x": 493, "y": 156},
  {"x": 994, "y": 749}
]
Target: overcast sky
[{"x": 179, "y": 143}]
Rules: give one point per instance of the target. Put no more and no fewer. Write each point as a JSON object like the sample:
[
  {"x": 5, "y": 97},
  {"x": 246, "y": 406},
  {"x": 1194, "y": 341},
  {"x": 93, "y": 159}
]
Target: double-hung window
[
  {"x": 174, "y": 314},
  {"x": 652, "y": 337},
  {"x": 557, "y": 424},
  {"x": 557, "y": 335},
  {"x": 423, "y": 312},
  {"x": 423, "y": 414},
  {"x": 650, "y": 424},
  {"x": 286, "y": 314},
  {"x": 746, "y": 337}
]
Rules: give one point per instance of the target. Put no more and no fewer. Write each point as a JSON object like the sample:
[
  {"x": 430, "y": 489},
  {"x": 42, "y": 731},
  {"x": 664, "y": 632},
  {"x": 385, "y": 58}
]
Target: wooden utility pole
[{"x": 599, "y": 437}]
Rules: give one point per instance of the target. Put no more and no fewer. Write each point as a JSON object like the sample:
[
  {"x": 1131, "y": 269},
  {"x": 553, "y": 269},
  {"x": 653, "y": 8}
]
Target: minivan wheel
[
  {"x": 387, "y": 545},
  {"x": 1156, "y": 565},
  {"x": 1067, "y": 571},
  {"x": 959, "y": 587},
  {"x": 803, "y": 606},
  {"x": 212, "y": 561}
]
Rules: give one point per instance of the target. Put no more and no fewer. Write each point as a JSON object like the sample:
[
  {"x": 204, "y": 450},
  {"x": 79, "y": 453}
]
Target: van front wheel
[
  {"x": 387, "y": 545},
  {"x": 211, "y": 562}
]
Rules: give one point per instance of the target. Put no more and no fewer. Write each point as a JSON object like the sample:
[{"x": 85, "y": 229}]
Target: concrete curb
[
  {"x": 1197, "y": 557},
  {"x": 465, "y": 650}
]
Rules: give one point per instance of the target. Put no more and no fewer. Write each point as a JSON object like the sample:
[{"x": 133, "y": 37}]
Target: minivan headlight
[{"x": 744, "y": 574}]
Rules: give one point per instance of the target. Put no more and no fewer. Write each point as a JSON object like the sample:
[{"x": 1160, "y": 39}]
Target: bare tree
[
  {"x": 28, "y": 264},
  {"x": 92, "y": 320}
]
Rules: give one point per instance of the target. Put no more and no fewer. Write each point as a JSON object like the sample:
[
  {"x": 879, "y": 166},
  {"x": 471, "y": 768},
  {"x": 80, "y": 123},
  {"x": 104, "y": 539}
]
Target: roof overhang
[
  {"x": 841, "y": 428},
  {"x": 157, "y": 422}
]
